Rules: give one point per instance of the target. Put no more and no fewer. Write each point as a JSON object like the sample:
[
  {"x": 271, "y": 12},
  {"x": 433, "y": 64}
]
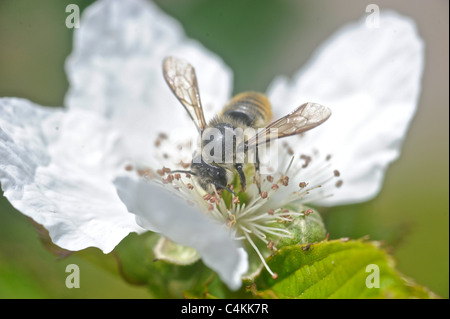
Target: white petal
[
  {"x": 116, "y": 70},
  {"x": 57, "y": 168},
  {"x": 370, "y": 78},
  {"x": 159, "y": 209}
]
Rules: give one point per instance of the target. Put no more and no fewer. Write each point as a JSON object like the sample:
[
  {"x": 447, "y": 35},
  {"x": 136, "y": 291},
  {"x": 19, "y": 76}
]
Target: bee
[{"x": 243, "y": 111}]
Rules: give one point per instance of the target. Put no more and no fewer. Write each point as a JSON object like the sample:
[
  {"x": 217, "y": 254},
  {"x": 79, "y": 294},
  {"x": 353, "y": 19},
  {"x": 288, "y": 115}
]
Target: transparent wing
[
  {"x": 304, "y": 118},
  {"x": 181, "y": 78}
]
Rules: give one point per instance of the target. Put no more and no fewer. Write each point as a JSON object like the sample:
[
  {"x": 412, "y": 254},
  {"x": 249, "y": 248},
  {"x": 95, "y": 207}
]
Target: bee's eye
[{"x": 217, "y": 173}]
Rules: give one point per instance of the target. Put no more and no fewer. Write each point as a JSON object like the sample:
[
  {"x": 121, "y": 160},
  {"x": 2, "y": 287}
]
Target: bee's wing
[
  {"x": 304, "y": 118},
  {"x": 181, "y": 78}
]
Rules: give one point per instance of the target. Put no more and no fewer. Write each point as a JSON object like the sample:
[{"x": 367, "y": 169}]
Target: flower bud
[{"x": 305, "y": 229}]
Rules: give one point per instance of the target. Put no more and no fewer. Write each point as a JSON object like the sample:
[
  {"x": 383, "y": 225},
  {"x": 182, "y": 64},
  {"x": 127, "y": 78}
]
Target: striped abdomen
[{"x": 252, "y": 108}]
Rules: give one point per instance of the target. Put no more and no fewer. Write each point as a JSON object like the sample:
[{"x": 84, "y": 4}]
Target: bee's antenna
[
  {"x": 183, "y": 171},
  {"x": 229, "y": 190}
]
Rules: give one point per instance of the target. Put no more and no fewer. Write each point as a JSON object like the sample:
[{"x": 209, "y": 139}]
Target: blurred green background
[{"x": 258, "y": 39}]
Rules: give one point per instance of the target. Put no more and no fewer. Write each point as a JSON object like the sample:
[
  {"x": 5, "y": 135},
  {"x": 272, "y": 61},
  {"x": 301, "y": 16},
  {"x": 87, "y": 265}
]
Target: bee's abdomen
[{"x": 252, "y": 108}]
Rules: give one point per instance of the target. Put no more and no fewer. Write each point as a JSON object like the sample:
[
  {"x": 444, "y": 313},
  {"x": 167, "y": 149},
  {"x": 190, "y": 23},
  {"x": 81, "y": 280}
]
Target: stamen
[
  {"x": 231, "y": 221},
  {"x": 289, "y": 166},
  {"x": 274, "y": 275},
  {"x": 274, "y": 231}
]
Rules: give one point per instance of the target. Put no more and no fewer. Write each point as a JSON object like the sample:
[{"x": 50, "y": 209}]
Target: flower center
[{"x": 254, "y": 213}]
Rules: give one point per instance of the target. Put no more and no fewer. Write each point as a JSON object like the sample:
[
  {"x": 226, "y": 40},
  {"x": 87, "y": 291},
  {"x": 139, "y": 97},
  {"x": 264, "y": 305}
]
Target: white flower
[{"x": 64, "y": 167}]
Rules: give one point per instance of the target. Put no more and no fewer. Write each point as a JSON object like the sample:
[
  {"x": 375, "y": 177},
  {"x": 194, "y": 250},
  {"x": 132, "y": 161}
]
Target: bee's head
[{"x": 208, "y": 174}]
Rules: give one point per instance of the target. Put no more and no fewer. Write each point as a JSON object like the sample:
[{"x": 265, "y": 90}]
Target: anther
[
  {"x": 302, "y": 184},
  {"x": 285, "y": 180},
  {"x": 290, "y": 151},
  {"x": 307, "y": 160},
  {"x": 214, "y": 199},
  {"x": 184, "y": 165},
  {"x": 231, "y": 221},
  {"x": 162, "y": 136}
]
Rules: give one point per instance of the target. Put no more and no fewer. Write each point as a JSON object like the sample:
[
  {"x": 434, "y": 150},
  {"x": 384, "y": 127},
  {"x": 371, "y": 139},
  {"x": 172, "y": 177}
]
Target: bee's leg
[
  {"x": 257, "y": 177},
  {"x": 240, "y": 171}
]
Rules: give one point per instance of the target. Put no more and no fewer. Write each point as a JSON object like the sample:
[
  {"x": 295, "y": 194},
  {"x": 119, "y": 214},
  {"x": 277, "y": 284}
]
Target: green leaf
[{"x": 336, "y": 269}]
